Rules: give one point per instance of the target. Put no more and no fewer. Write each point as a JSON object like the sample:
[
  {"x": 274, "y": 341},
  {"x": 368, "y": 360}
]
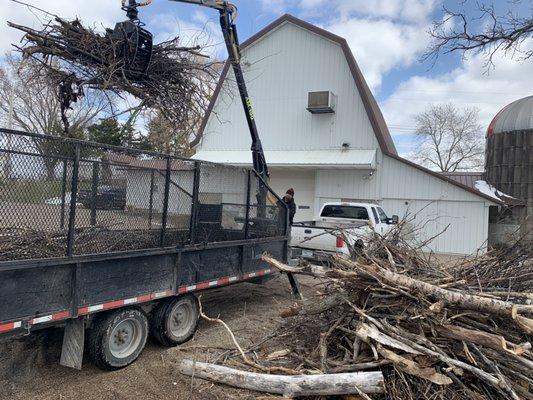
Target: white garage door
[{"x": 303, "y": 183}]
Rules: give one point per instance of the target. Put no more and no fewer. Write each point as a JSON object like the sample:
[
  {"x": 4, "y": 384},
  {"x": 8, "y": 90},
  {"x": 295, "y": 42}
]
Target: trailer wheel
[
  {"x": 117, "y": 338},
  {"x": 174, "y": 321}
]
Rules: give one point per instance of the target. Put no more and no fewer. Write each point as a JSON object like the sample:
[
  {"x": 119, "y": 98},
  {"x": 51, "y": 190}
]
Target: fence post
[
  {"x": 94, "y": 191},
  {"x": 63, "y": 194},
  {"x": 165, "y": 203},
  {"x": 194, "y": 205},
  {"x": 73, "y": 199},
  {"x": 151, "y": 202},
  {"x": 247, "y": 219}
]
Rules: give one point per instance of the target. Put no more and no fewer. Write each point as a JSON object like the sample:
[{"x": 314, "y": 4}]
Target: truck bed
[
  {"x": 314, "y": 239},
  {"x": 331, "y": 225}
]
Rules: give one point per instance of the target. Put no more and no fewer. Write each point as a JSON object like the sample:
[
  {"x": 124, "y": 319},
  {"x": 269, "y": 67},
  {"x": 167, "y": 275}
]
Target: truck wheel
[
  {"x": 117, "y": 338},
  {"x": 174, "y": 321}
]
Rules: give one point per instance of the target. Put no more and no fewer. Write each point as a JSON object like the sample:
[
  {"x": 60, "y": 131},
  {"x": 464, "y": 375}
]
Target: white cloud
[
  {"x": 98, "y": 13},
  {"x": 202, "y": 30},
  {"x": 383, "y": 34},
  {"x": 469, "y": 85},
  {"x": 381, "y": 45},
  {"x": 417, "y": 11}
]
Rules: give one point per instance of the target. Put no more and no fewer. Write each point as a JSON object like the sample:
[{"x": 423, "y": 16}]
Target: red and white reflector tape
[{"x": 85, "y": 310}]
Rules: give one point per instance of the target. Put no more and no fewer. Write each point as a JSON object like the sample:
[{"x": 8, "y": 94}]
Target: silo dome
[{"x": 517, "y": 116}]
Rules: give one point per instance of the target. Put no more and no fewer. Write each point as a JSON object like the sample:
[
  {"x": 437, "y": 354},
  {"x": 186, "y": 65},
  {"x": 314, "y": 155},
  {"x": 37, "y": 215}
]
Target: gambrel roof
[{"x": 374, "y": 114}]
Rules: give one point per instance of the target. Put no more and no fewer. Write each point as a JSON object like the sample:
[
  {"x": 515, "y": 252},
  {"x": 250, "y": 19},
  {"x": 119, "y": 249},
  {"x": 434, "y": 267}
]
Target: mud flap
[{"x": 73, "y": 343}]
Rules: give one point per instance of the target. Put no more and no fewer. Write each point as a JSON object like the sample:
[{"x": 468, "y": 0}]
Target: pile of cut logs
[{"x": 408, "y": 327}]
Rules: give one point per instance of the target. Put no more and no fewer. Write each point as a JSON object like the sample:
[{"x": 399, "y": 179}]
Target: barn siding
[
  {"x": 435, "y": 204},
  {"x": 348, "y": 184},
  {"x": 280, "y": 70},
  {"x": 468, "y": 223},
  {"x": 402, "y": 181}
]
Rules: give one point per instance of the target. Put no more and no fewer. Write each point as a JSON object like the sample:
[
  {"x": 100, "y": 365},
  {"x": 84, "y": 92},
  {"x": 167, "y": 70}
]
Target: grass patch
[{"x": 29, "y": 191}]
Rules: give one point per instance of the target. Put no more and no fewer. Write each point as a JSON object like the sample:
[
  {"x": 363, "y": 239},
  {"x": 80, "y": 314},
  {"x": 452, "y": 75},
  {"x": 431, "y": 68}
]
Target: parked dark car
[{"x": 107, "y": 198}]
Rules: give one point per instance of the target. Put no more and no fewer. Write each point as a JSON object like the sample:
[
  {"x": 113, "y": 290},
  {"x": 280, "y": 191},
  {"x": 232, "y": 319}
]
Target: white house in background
[
  {"x": 217, "y": 186},
  {"x": 345, "y": 153}
]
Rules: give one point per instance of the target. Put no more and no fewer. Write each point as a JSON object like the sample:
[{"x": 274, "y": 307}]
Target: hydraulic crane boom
[{"x": 228, "y": 13}]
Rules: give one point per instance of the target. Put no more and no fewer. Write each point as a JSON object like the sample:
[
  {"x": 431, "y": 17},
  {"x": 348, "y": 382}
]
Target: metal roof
[
  {"x": 465, "y": 178},
  {"x": 473, "y": 179},
  {"x": 336, "y": 158},
  {"x": 516, "y": 116}
]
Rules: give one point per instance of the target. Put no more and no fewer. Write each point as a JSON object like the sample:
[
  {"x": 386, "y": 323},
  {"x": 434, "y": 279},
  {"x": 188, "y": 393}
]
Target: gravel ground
[{"x": 29, "y": 367}]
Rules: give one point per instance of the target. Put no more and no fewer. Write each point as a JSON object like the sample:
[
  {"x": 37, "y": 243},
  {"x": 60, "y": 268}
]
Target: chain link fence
[{"x": 62, "y": 197}]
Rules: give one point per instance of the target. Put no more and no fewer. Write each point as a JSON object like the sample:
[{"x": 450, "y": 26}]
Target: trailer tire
[
  {"x": 117, "y": 338},
  {"x": 174, "y": 321}
]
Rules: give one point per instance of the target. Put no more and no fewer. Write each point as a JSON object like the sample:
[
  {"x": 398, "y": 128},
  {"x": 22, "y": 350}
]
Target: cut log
[
  {"x": 413, "y": 368},
  {"x": 288, "y": 386},
  {"x": 366, "y": 332},
  {"x": 496, "y": 342}
]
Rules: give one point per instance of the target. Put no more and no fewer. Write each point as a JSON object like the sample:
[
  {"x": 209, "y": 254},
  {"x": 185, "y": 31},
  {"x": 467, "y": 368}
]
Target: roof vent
[{"x": 321, "y": 102}]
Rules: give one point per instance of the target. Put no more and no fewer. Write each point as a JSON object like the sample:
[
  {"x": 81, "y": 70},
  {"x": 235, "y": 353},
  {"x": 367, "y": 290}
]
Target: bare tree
[
  {"x": 30, "y": 98},
  {"x": 449, "y": 139},
  {"x": 34, "y": 99},
  {"x": 483, "y": 31}
]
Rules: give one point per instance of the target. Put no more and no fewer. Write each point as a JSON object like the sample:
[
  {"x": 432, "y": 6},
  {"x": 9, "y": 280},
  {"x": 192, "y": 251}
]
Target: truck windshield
[{"x": 338, "y": 211}]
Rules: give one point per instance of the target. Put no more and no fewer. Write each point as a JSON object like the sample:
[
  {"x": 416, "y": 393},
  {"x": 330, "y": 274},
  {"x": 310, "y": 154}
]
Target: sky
[{"x": 387, "y": 37}]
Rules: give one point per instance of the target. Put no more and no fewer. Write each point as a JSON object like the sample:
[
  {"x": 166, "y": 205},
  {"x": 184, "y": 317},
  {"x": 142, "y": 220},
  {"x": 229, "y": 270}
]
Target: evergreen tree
[{"x": 109, "y": 131}]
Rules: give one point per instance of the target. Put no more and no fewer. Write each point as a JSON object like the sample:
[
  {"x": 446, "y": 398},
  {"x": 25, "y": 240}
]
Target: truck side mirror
[{"x": 395, "y": 219}]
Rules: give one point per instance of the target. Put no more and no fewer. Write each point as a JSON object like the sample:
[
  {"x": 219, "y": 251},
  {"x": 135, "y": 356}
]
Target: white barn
[{"x": 347, "y": 155}]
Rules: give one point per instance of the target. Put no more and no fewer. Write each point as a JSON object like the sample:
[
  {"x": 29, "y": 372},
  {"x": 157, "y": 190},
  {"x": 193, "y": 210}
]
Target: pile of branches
[
  {"x": 27, "y": 244},
  {"x": 435, "y": 331},
  {"x": 177, "y": 82}
]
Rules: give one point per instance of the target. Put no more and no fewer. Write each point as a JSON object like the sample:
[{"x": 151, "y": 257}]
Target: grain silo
[{"x": 509, "y": 157}]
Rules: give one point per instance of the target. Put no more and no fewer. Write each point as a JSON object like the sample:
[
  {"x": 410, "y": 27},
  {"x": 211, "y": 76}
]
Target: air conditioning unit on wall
[{"x": 321, "y": 102}]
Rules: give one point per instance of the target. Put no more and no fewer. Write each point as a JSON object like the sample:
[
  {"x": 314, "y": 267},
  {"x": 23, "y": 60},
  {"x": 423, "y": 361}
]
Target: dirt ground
[{"x": 29, "y": 367}]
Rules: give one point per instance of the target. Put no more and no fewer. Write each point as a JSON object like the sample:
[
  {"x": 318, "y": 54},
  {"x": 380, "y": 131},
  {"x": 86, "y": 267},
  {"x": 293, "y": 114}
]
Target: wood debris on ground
[{"x": 461, "y": 331}]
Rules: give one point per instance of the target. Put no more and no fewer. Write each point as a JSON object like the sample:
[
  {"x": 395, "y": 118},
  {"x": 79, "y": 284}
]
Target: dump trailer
[{"x": 112, "y": 243}]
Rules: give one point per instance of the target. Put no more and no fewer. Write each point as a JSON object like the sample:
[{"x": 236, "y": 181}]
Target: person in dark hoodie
[{"x": 289, "y": 200}]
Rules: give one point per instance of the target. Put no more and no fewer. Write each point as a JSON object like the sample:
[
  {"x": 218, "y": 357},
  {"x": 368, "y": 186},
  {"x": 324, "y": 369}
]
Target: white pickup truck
[{"x": 315, "y": 240}]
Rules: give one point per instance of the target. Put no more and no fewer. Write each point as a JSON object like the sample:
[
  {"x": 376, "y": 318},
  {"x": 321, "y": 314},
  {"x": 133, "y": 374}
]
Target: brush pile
[
  {"x": 436, "y": 332},
  {"x": 28, "y": 244},
  {"x": 176, "y": 82}
]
